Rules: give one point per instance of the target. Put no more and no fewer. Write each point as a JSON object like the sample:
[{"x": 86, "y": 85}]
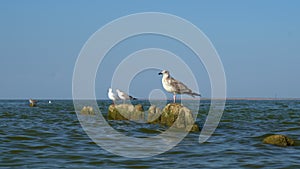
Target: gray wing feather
[
  {"x": 179, "y": 86},
  {"x": 182, "y": 88},
  {"x": 125, "y": 95}
]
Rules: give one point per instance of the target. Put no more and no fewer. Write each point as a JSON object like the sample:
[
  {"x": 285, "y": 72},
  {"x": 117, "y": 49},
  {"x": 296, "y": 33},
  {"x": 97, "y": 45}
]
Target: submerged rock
[
  {"x": 173, "y": 115},
  {"x": 32, "y": 104},
  {"x": 126, "y": 112},
  {"x": 87, "y": 110},
  {"x": 279, "y": 140}
]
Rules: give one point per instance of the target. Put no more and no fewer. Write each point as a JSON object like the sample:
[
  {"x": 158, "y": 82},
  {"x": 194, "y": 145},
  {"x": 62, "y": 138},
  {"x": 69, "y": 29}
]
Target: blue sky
[{"x": 257, "y": 41}]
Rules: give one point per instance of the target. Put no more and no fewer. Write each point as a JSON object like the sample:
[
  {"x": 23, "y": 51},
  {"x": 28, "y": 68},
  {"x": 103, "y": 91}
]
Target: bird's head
[
  {"x": 164, "y": 73},
  {"x": 110, "y": 89}
]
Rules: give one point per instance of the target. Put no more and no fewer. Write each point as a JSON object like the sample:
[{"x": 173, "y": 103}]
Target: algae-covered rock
[
  {"x": 192, "y": 128},
  {"x": 138, "y": 113},
  {"x": 32, "y": 104},
  {"x": 139, "y": 107},
  {"x": 126, "y": 112},
  {"x": 170, "y": 114},
  {"x": 87, "y": 110},
  {"x": 279, "y": 140},
  {"x": 154, "y": 115},
  {"x": 173, "y": 114}
]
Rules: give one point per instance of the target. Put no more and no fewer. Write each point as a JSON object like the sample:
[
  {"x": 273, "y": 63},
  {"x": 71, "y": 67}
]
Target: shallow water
[{"x": 50, "y": 136}]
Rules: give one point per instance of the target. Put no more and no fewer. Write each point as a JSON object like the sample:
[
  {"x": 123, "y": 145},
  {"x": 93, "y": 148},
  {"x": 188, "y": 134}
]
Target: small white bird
[
  {"x": 112, "y": 96},
  {"x": 31, "y": 101},
  {"x": 123, "y": 96},
  {"x": 174, "y": 86}
]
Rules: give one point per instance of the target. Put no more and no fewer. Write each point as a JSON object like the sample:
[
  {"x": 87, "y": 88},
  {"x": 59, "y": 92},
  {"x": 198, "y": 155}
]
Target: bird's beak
[{"x": 159, "y": 73}]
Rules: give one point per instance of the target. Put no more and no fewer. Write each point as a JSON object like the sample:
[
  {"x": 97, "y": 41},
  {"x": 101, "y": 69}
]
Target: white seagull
[
  {"x": 112, "y": 96},
  {"x": 123, "y": 96},
  {"x": 174, "y": 86},
  {"x": 31, "y": 101}
]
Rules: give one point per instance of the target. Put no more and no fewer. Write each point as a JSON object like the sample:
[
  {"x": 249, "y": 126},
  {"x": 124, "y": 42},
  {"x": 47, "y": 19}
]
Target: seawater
[{"x": 50, "y": 136}]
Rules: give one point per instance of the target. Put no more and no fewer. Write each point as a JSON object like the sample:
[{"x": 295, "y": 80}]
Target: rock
[
  {"x": 138, "y": 113},
  {"x": 139, "y": 107},
  {"x": 279, "y": 140},
  {"x": 193, "y": 128},
  {"x": 114, "y": 114},
  {"x": 154, "y": 115},
  {"x": 87, "y": 110},
  {"x": 126, "y": 112},
  {"x": 32, "y": 104},
  {"x": 173, "y": 114}
]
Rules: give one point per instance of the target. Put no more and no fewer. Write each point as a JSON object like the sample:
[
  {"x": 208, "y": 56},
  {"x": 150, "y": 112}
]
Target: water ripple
[{"x": 50, "y": 136}]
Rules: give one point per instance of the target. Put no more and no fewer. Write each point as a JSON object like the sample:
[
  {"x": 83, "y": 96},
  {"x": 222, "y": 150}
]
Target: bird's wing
[
  {"x": 179, "y": 86},
  {"x": 124, "y": 95},
  {"x": 116, "y": 96},
  {"x": 112, "y": 95}
]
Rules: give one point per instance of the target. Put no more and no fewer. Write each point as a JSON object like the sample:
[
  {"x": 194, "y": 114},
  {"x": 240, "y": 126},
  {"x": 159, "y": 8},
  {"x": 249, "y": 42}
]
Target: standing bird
[
  {"x": 112, "y": 96},
  {"x": 174, "y": 86},
  {"x": 123, "y": 96}
]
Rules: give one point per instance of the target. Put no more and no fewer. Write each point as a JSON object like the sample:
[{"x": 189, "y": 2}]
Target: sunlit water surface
[{"x": 50, "y": 136}]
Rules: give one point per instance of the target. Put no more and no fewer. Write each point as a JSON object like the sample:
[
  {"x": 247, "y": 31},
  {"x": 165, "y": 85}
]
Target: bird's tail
[
  {"x": 194, "y": 94},
  {"x": 132, "y": 98}
]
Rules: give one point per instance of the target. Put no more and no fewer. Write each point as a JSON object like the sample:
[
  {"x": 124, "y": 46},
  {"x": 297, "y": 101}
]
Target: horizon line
[{"x": 157, "y": 99}]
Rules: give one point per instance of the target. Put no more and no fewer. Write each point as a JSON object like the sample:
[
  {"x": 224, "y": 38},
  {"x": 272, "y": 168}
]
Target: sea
[{"x": 51, "y": 136}]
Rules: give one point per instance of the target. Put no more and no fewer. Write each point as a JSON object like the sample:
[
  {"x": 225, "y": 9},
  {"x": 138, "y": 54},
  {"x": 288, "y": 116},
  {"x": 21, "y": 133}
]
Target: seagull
[
  {"x": 31, "y": 101},
  {"x": 174, "y": 86},
  {"x": 123, "y": 96},
  {"x": 112, "y": 96}
]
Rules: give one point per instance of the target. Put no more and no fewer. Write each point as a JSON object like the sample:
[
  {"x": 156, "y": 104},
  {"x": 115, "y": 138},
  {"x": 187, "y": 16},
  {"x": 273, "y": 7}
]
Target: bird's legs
[{"x": 174, "y": 97}]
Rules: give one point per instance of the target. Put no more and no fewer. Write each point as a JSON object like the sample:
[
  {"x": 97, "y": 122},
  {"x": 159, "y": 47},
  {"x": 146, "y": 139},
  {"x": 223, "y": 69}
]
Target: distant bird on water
[
  {"x": 174, "y": 86},
  {"x": 32, "y": 102},
  {"x": 112, "y": 96},
  {"x": 123, "y": 96}
]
